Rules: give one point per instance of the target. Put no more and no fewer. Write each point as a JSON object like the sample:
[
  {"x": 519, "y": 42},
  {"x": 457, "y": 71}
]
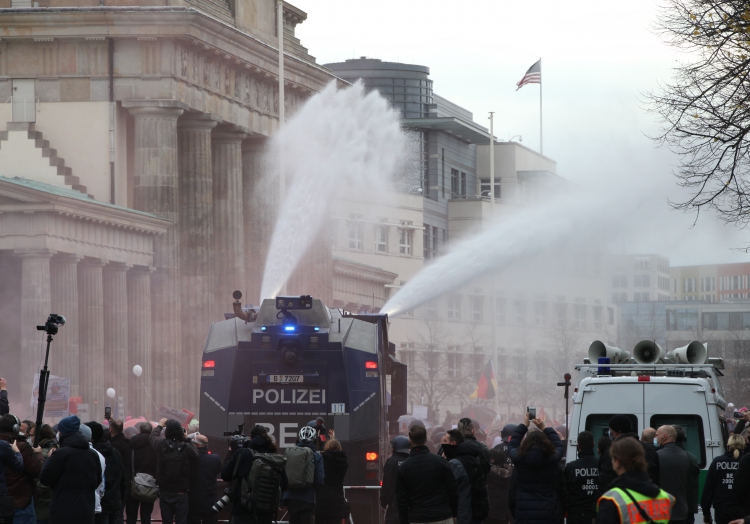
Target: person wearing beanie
[
  {"x": 114, "y": 476},
  {"x": 620, "y": 426},
  {"x": 99, "y": 493},
  {"x": 73, "y": 472},
  {"x": 175, "y": 457}
]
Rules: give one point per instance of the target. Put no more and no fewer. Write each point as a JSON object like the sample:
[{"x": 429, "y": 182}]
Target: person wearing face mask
[
  {"x": 621, "y": 427},
  {"x": 674, "y": 467},
  {"x": 449, "y": 444}
]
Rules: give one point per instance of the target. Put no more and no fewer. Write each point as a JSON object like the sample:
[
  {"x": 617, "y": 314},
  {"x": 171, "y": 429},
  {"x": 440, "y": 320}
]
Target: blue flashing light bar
[
  {"x": 317, "y": 329},
  {"x": 263, "y": 328},
  {"x": 288, "y": 328}
]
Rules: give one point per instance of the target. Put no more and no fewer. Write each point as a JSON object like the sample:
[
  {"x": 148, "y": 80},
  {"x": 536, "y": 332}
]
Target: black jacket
[
  {"x": 144, "y": 456},
  {"x": 581, "y": 476},
  {"x": 426, "y": 490},
  {"x": 258, "y": 444},
  {"x": 472, "y": 458},
  {"x": 21, "y": 485},
  {"x": 73, "y": 472},
  {"x": 122, "y": 445},
  {"x": 498, "y": 488},
  {"x": 4, "y": 407},
  {"x": 115, "y": 482},
  {"x": 174, "y": 432},
  {"x": 674, "y": 478},
  {"x": 329, "y": 499},
  {"x": 742, "y": 483},
  {"x": 480, "y": 450},
  {"x": 719, "y": 489},
  {"x": 537, "y": 479},
  {"x": 203, "y": 482},
  {"x": 388, "y": 490},
  {"x": 607, "y": 474},
  {"x": 633, "y": 481}
]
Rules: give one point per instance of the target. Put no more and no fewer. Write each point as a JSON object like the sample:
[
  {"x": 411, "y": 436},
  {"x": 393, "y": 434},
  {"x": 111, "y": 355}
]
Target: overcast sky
[{"x": 598, "y": 58}]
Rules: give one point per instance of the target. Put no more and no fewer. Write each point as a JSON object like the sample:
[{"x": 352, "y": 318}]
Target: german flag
[{"x": 486, "y": 386}]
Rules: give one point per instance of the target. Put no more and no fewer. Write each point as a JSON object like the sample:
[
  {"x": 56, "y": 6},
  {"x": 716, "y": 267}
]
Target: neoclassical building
[{"x": 131, "y": 136}]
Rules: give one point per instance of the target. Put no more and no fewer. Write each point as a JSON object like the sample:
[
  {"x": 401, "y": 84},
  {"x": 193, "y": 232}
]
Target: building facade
[
  {"x": 639, "y": 278},
  {"x": 711, "y": 282}
]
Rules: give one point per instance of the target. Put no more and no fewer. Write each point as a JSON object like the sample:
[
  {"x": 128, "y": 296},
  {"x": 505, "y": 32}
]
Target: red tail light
[
  {"x": 371, "y": 456},
  {"x": 371, "y": 365},
  {"x": 209, "y": 364},
  {"x": 644, "y": 378}
]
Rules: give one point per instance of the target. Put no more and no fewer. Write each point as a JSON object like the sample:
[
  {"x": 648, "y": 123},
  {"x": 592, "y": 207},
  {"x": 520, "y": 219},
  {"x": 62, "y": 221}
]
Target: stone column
[
  {"x": 197, "y": 295},
  {"x": 35, "y": 308},
  {"x": 64, "y": 355},
  {"x": 139, "y": 341},
  {"x": 91, "y": 335},
  {"x": 229, "y": 239},
  {"x": 156, "y": 192},
  {"x": 116, "y": 370},
  {"x": 259, "y": 208}
]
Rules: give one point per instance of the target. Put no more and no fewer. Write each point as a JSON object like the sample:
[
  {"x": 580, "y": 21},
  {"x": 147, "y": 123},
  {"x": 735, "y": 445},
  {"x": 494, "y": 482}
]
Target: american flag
[{"x": 532, "y": 76}]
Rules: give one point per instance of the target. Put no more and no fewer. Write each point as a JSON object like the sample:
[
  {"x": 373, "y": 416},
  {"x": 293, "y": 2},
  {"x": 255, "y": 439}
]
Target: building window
[
  {"x": 356, "y": 232},
  {"x": 455, "y": 183},
  {"x": 597, "y": 317},
  {"x": 426, "y": 237},
  {"x": 477, "y": 309},
  {"x": 405, "y": 239},
  {"x": 642, "y": 263},
  {"x": 478, "y": 359},
  {"x": 499, "y": 310},
  {"x": 540, "y": 313},
  {"x": 434, "y": 245},
  {"x": 381, "y": 239},
  {"x": 641, "y": 297},
  {"x": 642, "y": 281},
  {"x": 611, "y": 316},
  {"x": 407, "y": 357},
  {"x": 520, "y": 307},
  {"x": 485, "y": 188},
  {"x": 561, "y": 312},
  {"x": 454, "y": 364},
  {"x": 579, "y": 316},
  {"x": 453, "y": 307},
  {"x": 688, "y": 285},
  {"x": 619, "y": 281}
]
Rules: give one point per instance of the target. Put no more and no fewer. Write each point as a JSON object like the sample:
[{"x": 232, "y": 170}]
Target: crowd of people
[{"x": 524, "y": 478}]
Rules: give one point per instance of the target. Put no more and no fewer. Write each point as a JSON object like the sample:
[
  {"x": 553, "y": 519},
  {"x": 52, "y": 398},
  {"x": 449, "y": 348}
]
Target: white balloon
[
  {"x": 137, "y": 370},
  {"x": 111, "y": 392}
]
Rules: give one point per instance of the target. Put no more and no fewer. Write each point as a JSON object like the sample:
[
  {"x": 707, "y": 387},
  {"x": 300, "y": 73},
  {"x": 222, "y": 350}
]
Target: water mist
[{"x": 340, "y": 142}]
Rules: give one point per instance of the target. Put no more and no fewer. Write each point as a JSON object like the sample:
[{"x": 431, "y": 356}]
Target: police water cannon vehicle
[
  {"x": 681, "y": 387},
  {"x": 296, "y": 360}
]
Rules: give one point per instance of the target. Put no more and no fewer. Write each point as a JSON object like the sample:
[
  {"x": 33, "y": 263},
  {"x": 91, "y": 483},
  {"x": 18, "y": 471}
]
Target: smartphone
[
  {"x": 532, "y": 412},
  {"x": 108, "y": 412},
  {"x": 738, "y": 415}
]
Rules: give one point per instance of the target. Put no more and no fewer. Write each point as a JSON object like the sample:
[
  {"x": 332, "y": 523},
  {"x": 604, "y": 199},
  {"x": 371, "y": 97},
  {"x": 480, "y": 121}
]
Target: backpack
[
  {"x": 259, "y": 489},
  {"x": 173, "y": 466},
  {"x": 480, "y": 502},
  {"x": 300, "y": 468}
]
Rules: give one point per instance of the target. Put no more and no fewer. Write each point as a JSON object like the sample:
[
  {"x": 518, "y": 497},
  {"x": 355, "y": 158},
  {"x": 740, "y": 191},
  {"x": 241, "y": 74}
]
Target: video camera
[
  {"x": 299, "y": 302},
  {"x": 236, "y": 439},
  {"x": 53, "y": 322}
]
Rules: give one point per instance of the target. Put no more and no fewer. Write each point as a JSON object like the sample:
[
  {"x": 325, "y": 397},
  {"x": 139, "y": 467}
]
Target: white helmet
[{"x": 307, "y": 434}]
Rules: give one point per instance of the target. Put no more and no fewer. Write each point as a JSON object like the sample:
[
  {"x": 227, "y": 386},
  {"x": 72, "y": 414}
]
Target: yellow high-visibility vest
[{"x": 659, "y": 508}]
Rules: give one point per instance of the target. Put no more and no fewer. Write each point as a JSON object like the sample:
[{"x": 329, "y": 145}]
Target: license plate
[{"x": 285, "y": 379}]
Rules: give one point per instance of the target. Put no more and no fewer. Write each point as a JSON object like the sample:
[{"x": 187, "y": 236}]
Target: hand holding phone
[{"x": 532, "y": 412}]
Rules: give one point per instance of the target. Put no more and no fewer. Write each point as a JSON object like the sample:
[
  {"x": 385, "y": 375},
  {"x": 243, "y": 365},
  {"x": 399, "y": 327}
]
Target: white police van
[{"x": 680, "y": 388}]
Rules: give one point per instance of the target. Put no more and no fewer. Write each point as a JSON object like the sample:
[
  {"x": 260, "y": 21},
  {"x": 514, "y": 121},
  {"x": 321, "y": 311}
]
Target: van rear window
[
  {"x": 693, "y": 426},
  {"x": 598, "y": 424}
]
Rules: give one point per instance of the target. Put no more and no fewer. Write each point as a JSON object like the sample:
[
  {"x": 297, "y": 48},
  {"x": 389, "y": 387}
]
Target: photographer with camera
[
  {"x": 259, "y": 508},
  {"x": 21, "y": 485},
  {"x": 203, "y": 484},
  {"x": 175, "y": 458}
]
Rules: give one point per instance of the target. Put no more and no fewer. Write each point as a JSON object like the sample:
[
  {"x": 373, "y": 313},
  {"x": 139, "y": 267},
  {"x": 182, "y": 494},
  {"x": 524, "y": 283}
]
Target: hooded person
[
  {"x": 330, "y": 504},
  {"x": 400, "y": 446},
  {"x": 620, "y": 426},
  {"x": 73, "y": 472},
  {"x": 115, "y": 482},
  {"x": 175, "y": 457}
]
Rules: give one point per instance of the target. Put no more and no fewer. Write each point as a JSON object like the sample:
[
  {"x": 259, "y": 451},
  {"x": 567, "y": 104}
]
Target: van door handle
[
  {"x": 699, "y": 389},
  {"x": 713, "y": 443},
  {"x": 589, "y": 389}
]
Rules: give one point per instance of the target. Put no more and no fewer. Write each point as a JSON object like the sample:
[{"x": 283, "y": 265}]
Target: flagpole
[{"x": 541, "y": 134}]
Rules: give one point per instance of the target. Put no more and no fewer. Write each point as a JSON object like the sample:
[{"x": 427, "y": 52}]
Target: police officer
[
  {"x": 400, "y": 446},
  {"x": 717, "y": 490},
  {"x": 581, "y": 476},
  {"x": 632, "y": 492}
]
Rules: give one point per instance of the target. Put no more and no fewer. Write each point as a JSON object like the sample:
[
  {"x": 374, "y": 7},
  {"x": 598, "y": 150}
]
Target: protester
[
  {"x": 620, "y": 426},
  {"x": 742, "y": 482},
  {"x": 535, "y": 455},
  {"x": 43, "y": 496},
  {"x": 115, "y": 482},
  {"x": 400, "y": 447},
  {"x": 4, "y": 406},
  {"x": 581, "y": 476},
  {"x": 648, "y": 437},
  {"x": 12, "y": 462},
  {"x": 174, "y": 459},
  {"x": 674, "y": 467},
  {"x": 238, "y": 467},
  {"x": 21, "y": 485},
  {"x": 330, "y": 504},
  {"x": 468, "y": 428},
  {"x": 719, "y": 489},
  {"x": 28, "y": 429},
  {"x": 99, "y": 492},
  {"x": 298, "y": 499},
  {"x": 203, "y": 485},
  {"x": 693, "y": 477},
  {"x": 143, "y": 460},
  {"x": 74, "y": 473},
  {"x": 321, "y": 433},
  {"x": 426, "y": 490},
  {"x": 472, "y": 458},
  {"x": 449, "y": 444},
  {"x": 632, "y": 492},
  {"x": 603, "y": 444},
  {"x": 498, "y": 486}
]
